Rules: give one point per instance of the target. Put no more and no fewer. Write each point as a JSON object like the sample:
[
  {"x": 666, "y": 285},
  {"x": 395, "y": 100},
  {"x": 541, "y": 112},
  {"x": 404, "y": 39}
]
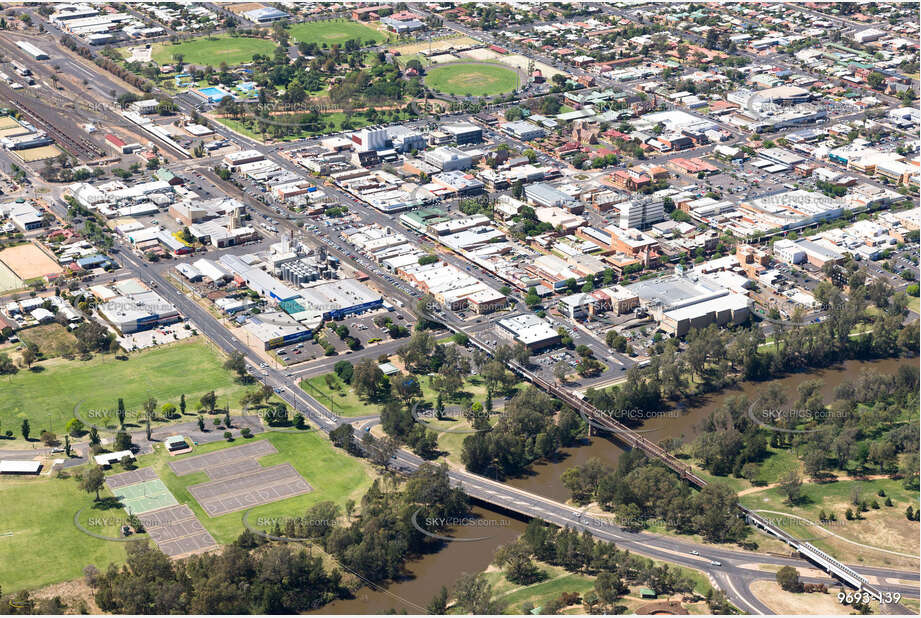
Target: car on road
[
  {"x": 694, "y": 552},
  {"x": 716, "y": 563}
]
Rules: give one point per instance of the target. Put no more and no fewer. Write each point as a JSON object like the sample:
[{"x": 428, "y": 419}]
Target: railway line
[
  {"x": 80, "y": 147},
  {"x": 632, "y": 439}
]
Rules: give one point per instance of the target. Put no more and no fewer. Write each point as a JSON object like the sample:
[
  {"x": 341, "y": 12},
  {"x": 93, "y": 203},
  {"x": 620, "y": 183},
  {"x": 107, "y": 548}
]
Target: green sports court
[{"x": 144, "y": 497}]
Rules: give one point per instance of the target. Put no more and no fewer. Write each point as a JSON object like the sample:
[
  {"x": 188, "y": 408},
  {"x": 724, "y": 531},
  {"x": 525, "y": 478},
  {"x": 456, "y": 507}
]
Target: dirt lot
[
  {"x": 815, "y": 603},
  {"x": 436, "y": 46},
  {"x": 28, "y": 261},
  {"x": 52, "y": 339}
]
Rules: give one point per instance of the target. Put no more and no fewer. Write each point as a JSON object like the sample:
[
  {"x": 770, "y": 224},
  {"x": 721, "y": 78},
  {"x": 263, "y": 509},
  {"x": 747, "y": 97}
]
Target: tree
[
  {"x": 93, "y": 480},
  {"x": 473, "y": 595},
  {"x": 181, "y": 403},
  {"x": 438, "y": 606},
  {"x": 209, "y": 401},
  {"x": 74, "y": 427},
  {"x": 368, "y": 379},
  {"x": 791, "y": 485},
  {"x": 788, "y": 579},
  {"x": 169, "y": 411},
  {"x": 560, "y": 371},
  {"x": 150, "y": 406},
  {"x": 344, "y": 371},
  {"x": 519, "y": 568},
  {"x": 120, "y": 412},
  {"x": 201, "y": 423},
  {"x": 7, "y": 366},
  {"x": 609, "y": 588},
  {"x": 25, "y": 429},
  {"x": 236, "y": 363},
  {"x": 122, "y": 441},
  {"x": 27, "y": 357}
]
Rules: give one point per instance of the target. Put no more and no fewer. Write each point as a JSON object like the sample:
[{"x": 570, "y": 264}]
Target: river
[{"x": 442, "y": 568}]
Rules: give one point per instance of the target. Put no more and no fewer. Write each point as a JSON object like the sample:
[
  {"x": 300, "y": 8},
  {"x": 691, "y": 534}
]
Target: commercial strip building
[
  {"x": 528, "y": 329},
  {"x": 453, "y": 287},
  {"x": 276, "y": 328}
]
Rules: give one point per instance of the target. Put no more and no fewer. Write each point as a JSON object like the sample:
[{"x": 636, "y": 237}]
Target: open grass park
[
  {"x": 59, "y": 389},
  {"x": 335, "y": 31},
  {"x": 38, "y": 513},
  {"x": 342, "y": 399},
  {"x": 471, "y": 78},
  {"x": 213, "y": 50}
]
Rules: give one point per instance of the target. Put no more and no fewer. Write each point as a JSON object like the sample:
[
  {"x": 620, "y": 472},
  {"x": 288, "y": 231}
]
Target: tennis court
[
  {"x": 222, "y": 458},
  {"x": 145, "y": 496},
  {"x": 242, "y": 492},
  {"x": 177, "y": 531},
  {"x": 132, "y": 477}
]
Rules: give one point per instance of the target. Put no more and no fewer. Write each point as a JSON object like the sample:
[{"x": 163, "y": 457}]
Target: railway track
[
  {"x": 80, "y": 147},
  {"x": 627, "y": 436}
]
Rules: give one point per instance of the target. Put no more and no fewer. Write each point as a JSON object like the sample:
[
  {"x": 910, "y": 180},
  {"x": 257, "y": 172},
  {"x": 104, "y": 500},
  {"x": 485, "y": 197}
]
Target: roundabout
[{"x": 472, "y": 79}]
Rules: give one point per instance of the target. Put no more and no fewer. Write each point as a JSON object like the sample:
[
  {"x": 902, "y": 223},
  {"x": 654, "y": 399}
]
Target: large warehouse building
[
  {"x": 679, "y": 303},
  {"x": 276, "y": 328},
  {"x": 136, "y": 312},
  {"x": 339, "y": 298}
]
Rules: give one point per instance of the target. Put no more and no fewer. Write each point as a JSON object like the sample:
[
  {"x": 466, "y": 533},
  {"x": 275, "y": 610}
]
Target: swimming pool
[{"x": 214, "y": 93}]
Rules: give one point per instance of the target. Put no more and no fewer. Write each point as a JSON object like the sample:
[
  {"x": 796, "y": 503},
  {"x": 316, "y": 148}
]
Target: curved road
[{"x": 732, "y": 576}]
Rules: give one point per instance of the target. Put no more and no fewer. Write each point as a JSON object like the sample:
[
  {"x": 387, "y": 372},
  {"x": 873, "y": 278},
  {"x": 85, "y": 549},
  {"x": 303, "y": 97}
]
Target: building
[
  {"x": 139, "y": 311},
  {"x": 530, "y": 330},
  {"x": 789, "y": 252},
  {"x": 680, "y": 302},
  {"x": 276, "y": 328},
  {"x": 523, "y": 130},
  {"x": 448, "y": 158},
  {"x": 542, "y": 194},
  {"x": 20, "y": 466},
  {"x": 339, "y": 298},
  {"x": 640, "y": 213},
  {"x": 24, "y": 216},
  {"x": 370, "y": 139},
  {"x": 147, "y": 106},
  {"x": 464, "y": 132},
  {"x": 619, "y": 299},
  {"x": 257, "y": 280},
  {"x": 32, "y": 50},
  {"x": 265, "y": 15},
  {"x": 233, "y": 160},
  {"x": 579, "y": 305}
]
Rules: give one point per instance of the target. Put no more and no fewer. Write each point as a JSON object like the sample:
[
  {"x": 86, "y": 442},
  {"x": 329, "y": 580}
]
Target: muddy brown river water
[{"x": 430, "y": 572}]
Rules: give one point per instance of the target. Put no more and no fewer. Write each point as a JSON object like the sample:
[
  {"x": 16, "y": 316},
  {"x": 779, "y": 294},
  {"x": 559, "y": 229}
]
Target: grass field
[
  {"x": 332, "y": 32},
  {"x": 333, "y": 475},
  {"x": 886, "y": 527},
  {"x": 47, "y": 546},
  {"x": 471, "y": 78},
  {"x": 48, "y": 397},
  {"x": 39, "y": 512},
  {"x": 346, "y": 401},
  {"x": 331, "y": 122},
  {"x": 212, "y": 51}
]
